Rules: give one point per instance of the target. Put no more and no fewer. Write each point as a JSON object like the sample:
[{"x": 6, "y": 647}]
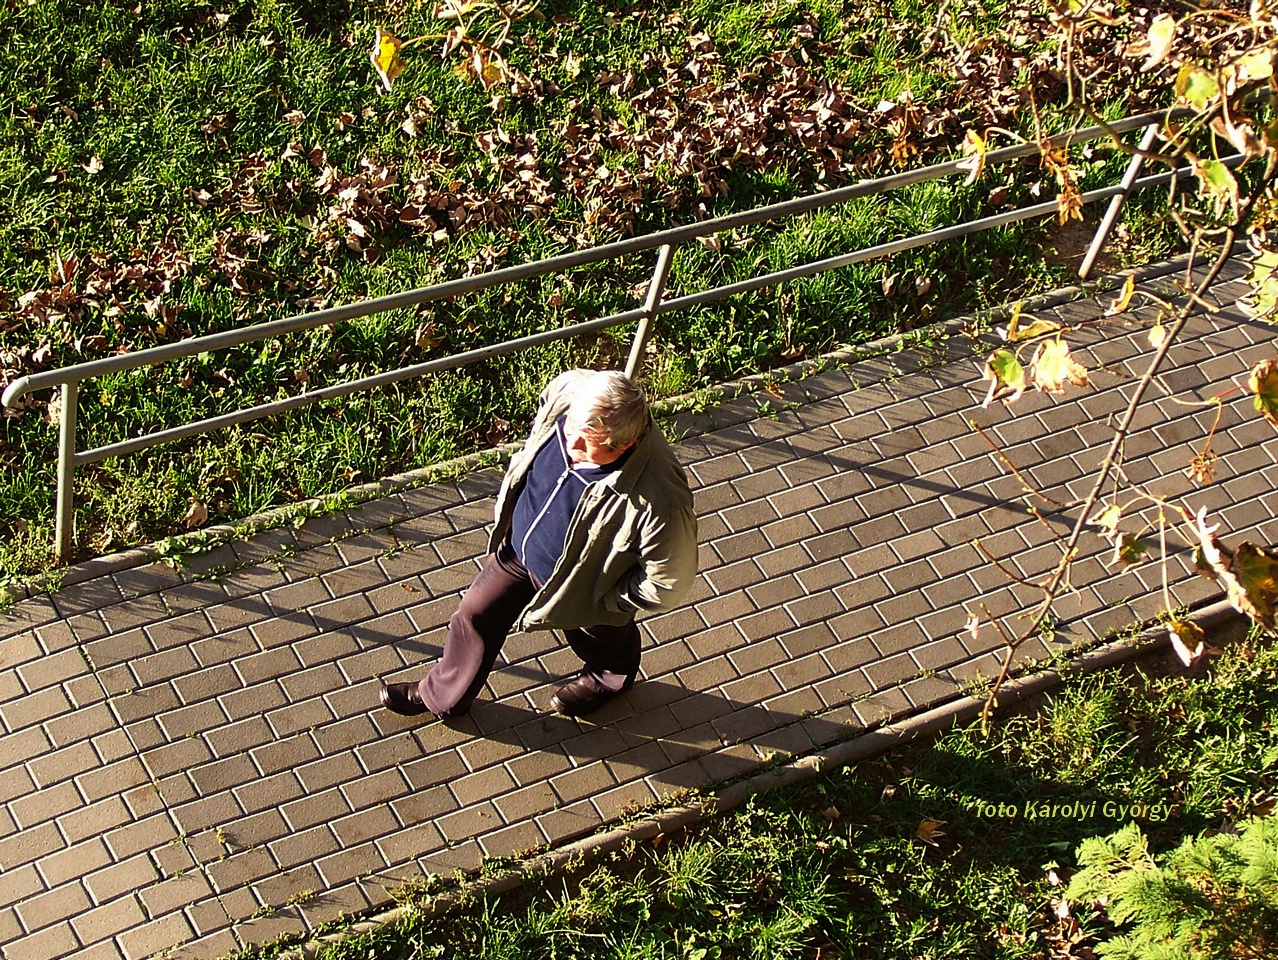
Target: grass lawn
[
  {"x": 959, "y": 848},
  {"x": 172, "y": 169}
]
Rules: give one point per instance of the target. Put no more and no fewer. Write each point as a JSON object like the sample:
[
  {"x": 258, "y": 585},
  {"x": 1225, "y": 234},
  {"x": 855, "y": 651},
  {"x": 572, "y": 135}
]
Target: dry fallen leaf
[
  {"x": 196, "y": 515},
  {"x": 385, "y": 57},
  {"x": 928, "y": 831},
  {"x": 1158, "y": 41}
]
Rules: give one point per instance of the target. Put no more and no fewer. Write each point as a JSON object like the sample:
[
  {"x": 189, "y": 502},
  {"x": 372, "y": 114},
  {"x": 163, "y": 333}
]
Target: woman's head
[{"x": 607, "y": 416}]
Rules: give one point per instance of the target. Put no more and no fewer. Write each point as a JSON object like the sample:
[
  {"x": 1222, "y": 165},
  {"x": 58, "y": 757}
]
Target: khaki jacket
[{"x": 631, "y": 545}]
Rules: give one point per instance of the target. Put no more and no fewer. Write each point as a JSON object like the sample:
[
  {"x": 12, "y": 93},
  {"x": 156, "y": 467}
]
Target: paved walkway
[{"x": 202, "y": 762}]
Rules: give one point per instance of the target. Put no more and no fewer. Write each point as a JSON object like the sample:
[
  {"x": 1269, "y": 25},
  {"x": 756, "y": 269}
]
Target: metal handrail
[{"x": 665, "y": 241}]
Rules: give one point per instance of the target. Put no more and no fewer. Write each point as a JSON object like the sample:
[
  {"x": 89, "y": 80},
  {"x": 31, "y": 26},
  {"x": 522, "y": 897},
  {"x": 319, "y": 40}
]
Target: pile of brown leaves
[
  {"x": 111, "y": 290},
  {"x": 696, "y": 123}
]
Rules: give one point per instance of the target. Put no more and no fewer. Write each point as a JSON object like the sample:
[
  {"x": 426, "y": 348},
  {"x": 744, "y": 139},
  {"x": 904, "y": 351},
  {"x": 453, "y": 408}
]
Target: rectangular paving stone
[
  {"x": 374, "y": 789},
  {"x": 52, "y": 669},
  {"x": 151, "y": 938},
  {"x": 624, "y": 800},
  {"x": 730, "y": 763},
  {"x": 568, "y": 823},
  {"x": 752, "y": 689},
  {"x": 758, "y": 655},
  {"x": 739, "y": 546},
  {"x": 583, "y": 782}
]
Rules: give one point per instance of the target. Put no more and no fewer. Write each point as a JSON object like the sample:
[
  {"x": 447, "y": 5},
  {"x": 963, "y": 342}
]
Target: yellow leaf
[
  {"x": 1257, "y": 571},
  {"x": 1157, "y": 335},
  {"x": 1196, "y": 86},
  {"x": 1217, "y": 182},
  {"x": 385, "y": 57},
  {"x": 1258, "y": 65},
  {"x": 1069, "y": 204},
  {"x": 1052, "y": 367},
  {"x": 927, "y": 831},
  {"x": 1263, "y": 299},
  {"x": 1263, "y": 384},
  {"x": 1013, "y": 323},
  {"x": 1108, "y": 518},
  {"x": 1249, "y": 574},
  {"x": 1007, "y": 377},
  {"x": 1036, "y": 329},
  {"x": 1129, "y": 550},
  {"x": 1124, "y": 299},
  {"x": 974, "y": 150},
  {"x": 1187, "y": 640},
  {"x": 1161, "y": 33}
]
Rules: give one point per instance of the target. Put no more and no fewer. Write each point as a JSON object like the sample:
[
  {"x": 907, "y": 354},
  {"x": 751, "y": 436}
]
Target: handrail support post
[
  {"x": 1116, "y": 204},
  {"x": 656, "y": 287},
  {"x": 64, "y": 534}
]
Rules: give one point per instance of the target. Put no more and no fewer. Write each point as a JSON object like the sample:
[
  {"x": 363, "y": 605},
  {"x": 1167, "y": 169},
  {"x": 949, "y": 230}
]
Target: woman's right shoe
[{"x": 403, "y": 698}]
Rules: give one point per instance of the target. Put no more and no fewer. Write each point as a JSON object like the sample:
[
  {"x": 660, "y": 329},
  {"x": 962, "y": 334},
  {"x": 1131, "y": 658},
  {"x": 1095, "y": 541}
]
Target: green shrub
[{"x": 1212, "y": 897}]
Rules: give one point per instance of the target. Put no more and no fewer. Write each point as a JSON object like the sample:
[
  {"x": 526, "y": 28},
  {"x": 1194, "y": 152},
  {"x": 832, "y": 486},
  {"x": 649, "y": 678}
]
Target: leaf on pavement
[
  {"x": 1124, "y": 299},
  {"x": 1006, "y": 376},
  {"x": 973, "y": 626},
  {"x": 1052, "y": 367},
  {"x": 385, "y": 57},
  {"x": 1263, "y": 385}
]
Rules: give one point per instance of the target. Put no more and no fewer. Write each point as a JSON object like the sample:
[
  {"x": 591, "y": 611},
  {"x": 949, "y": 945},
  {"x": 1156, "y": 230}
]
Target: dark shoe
[
  {"x": 403, "y": 698},
  {"x": 584, "y": 695}
]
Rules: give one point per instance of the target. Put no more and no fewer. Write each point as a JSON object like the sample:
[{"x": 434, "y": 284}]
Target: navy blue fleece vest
[{"x": 552, "y": 488}]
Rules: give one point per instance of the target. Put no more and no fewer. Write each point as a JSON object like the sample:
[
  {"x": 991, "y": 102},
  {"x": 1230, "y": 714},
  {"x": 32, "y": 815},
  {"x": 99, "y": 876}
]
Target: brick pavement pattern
[{"x": 180, "y": 753}]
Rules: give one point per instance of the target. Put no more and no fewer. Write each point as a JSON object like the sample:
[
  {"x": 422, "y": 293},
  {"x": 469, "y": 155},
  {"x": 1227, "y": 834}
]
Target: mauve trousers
[{"x": 477, "y": 631}]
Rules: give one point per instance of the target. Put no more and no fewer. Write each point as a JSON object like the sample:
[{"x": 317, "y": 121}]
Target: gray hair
[{"x": 610, "y": 404}]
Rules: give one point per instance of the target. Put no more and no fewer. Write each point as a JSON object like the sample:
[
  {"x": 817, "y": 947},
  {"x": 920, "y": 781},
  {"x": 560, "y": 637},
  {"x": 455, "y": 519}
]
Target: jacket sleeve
[{"x": 667, "y": 565}]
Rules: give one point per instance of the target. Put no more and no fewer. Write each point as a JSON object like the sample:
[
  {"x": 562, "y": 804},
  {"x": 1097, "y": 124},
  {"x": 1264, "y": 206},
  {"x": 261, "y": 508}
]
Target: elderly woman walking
[{"x": 594, "y": 524}]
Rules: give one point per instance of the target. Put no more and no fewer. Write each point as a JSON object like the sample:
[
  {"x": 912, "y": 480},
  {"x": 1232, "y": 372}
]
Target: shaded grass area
[
  {"x": 160, "y": 179},
  {"x": 836, "y": 867}
]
